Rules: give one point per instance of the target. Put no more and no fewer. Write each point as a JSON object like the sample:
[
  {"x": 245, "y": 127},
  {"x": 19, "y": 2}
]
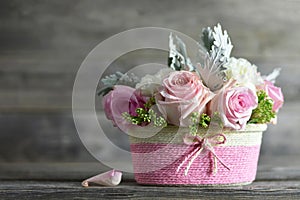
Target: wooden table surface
[{"x": 277, "y": 178}]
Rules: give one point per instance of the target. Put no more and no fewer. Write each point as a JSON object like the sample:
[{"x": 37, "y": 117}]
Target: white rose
[
  {"x": 243, "y": 72},
  {"x": 150, "y": 83}
]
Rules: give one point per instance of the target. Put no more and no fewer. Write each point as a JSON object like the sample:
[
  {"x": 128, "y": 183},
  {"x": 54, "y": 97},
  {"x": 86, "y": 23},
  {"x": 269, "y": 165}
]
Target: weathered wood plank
[
  {"x": 63, "y": 181},
  {"x": 21, "y": 89},
  {"x": 49, "y": 135},
  {"x": 258, "y": 30},
  {"x": 43, "y": 44},
  {"x": 277, "y": 169},
  {"x": 130, "y": 190},
  {"x": 48, "y": 57},
  {"x": 40, "y": 137}
]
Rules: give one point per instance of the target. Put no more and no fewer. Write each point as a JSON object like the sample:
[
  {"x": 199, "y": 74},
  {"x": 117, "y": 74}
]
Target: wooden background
[{"x": 42, "y": 44}]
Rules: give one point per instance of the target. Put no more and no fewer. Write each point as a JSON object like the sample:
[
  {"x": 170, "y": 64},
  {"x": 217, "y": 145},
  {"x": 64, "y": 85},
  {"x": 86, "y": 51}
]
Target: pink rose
[
  {"x": 122, "y": 99},
  {"x": 235, "y": 105},
  {"x": 274, "y": 93},
  {"x": 137, "y": 100},
  {"x": 182, "y": 94}
]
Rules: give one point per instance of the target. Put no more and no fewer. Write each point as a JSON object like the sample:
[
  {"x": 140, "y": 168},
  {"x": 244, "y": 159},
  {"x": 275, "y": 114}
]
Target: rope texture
[{"x": 240, "y": 153}]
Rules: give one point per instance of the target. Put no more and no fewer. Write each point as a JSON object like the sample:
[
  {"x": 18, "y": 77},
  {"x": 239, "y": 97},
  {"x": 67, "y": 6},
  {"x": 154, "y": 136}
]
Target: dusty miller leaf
[
  {"x": 178, "y": 58},
  {"x": 207, "y": 38},
  {"x": 212, "y": 69},
  {"x": 117, "y": 78},
  {"x": 272, "y": 77}
]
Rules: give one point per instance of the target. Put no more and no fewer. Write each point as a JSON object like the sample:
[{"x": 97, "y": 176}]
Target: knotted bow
[{"x": 200, "y": 144}]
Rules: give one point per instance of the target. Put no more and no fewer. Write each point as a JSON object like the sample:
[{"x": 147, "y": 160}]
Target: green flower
[{"x": 263, "y": 113}]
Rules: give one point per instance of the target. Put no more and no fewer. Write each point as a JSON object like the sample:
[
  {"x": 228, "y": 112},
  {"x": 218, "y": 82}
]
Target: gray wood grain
[
  {"x": 43, "y": 44},
  {"x": 270, "y": 168},
  {"x": 51, "y": 136},
  {"x": 63, "y": 181},
  {"x": 130, "y": 190}
]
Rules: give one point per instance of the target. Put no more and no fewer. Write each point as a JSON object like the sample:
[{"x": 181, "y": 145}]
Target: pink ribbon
[{"x": 201, "y": 144}]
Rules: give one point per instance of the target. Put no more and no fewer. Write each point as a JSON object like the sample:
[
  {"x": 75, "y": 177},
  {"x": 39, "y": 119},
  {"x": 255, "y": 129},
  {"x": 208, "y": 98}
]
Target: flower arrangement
[
  {"x": 187, "y": 95},
  {"x": 218, "y": 107}
]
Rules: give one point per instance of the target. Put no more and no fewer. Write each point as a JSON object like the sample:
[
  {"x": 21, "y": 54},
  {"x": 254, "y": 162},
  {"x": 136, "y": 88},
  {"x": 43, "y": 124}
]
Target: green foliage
[
  {"x": 197, "y": 121},
  {"x": 158, "y": 121},
  {"x": 150, "y": 103},
  {"x": 194, "y": 123},
  {"x": 146, "y": 115},
  {"x": 204, "y": 120},
  {"x": 263, "y": 113}
]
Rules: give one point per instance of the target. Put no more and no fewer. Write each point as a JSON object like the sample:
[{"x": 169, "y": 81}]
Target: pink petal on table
[{"x": 110, "y": 178}]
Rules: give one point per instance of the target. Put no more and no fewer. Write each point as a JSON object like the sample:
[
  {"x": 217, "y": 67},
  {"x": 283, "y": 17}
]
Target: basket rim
[
  {"x": 172, "y": 135},
  {"x": 249, "y": 128}
]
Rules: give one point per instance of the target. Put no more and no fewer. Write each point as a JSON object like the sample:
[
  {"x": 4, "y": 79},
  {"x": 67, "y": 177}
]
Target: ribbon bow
[{"x": 200, "y": 144}]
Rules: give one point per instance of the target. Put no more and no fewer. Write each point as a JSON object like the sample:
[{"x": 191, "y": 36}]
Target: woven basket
[{"x": 164, "y": 159}]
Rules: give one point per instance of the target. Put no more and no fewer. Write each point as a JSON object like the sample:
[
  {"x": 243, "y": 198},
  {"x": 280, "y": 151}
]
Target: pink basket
[{"x": 164, "y": 159}]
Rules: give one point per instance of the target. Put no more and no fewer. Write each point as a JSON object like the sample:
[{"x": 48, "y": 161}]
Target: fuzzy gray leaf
[
  {"x": 178, "y": 59},
  {"x": 212, "y": 68},
  {"x": 117, "y": 78},
  {"x": 207, "y": 38}
]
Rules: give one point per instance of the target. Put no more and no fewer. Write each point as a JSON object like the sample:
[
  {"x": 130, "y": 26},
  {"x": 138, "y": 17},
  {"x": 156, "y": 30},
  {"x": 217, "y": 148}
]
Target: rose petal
[{"x": 110, "y": 178}]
